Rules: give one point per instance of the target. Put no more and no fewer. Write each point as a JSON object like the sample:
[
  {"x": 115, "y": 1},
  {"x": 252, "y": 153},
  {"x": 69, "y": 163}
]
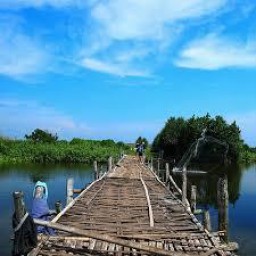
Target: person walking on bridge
[{"x": 140, "y": 151}]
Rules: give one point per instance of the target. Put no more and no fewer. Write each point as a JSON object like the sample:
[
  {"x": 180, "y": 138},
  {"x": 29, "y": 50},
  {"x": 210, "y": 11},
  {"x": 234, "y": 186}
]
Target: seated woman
[{"x": 40, "y": 207}]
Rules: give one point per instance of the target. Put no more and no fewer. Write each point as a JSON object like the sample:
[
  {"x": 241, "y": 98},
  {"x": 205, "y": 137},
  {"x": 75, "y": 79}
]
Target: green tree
[
  {"x": 178, "y": 134},
  {"x": 39, "y": 135}
]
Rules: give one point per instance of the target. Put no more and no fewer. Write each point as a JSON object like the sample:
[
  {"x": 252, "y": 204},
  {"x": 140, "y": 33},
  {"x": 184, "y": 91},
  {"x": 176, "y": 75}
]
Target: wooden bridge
[{"x": 128, "y": 211}]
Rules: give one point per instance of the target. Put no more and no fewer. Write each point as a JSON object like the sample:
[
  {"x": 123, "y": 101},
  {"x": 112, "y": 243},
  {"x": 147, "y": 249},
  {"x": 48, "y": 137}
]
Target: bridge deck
[{"x": 131, "y": 206}]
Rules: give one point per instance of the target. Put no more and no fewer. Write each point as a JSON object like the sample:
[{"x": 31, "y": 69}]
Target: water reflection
[
  {"x": 216, "y": 189},
  {"x": 207, "y": 184},
  {"x": 23, "y": 178}
]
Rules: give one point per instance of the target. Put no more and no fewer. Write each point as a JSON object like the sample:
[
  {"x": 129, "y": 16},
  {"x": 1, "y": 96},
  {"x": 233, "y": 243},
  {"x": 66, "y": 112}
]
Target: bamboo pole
[
  {"x": 152, "y": 164},
  {"x": 167, "y": 172},
  {"x": 110, "y": 163},
  {"x": 150, "y": 211},
  {"x": 158, "y": 167},
  {"x": 207, "y": 221},
  {"x": 175, "y": 185},
  {"x": 96, "y": 171},
  {"x": 184, "y": 185},
  {"x": 193, "y": 198},
  {"x": 70, "y": 190},
  {"x": 107, "y": 238},
  {"x": 223, "y": 199}
]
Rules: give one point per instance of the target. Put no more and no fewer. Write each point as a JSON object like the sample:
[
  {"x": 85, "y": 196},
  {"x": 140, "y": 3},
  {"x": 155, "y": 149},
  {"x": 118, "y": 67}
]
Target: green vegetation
[
  {"x": 248, "y": 154},
  {"x": 178, "y": 134},
  {"x": 39, "y": 135},
  {"x": 43, "y": 147}
]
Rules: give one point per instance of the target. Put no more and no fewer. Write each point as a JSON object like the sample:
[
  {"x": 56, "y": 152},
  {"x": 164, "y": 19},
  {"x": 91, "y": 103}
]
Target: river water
[{"x": 241, "y": 182}]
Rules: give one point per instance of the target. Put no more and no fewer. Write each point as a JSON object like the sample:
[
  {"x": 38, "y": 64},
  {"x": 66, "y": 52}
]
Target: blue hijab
[{"x": 40, "y": 208}]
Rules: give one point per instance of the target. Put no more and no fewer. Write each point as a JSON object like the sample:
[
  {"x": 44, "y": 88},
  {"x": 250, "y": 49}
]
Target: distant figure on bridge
[{"x": 140, "y": 151}]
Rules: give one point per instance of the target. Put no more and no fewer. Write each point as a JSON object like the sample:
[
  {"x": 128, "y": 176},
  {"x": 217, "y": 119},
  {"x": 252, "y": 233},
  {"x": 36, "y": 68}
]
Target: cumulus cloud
[
  {"x": 25, "y": 116},
  {"x": 111, "y": 68},
  {"x": 20, "y": 54},
  {"x": 132, "y": 19},
  {"x": 214, "y": 52},
  {"x": 122, "y": 28}
]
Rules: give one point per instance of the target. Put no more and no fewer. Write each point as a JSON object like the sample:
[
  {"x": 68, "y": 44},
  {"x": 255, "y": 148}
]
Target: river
[{"x": 241, "y": 186}]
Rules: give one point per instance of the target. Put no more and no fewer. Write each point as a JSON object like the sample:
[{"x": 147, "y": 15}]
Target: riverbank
[
  {"x": 248, "y": 156},
  {"x": 75, "y": 151}
]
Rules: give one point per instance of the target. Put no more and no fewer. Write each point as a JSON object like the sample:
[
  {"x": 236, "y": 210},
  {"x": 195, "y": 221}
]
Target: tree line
[
  {"x": 171, "y": 142},
  {"x": 42, "y": 146},
  {"x": 179, "y": 133}
]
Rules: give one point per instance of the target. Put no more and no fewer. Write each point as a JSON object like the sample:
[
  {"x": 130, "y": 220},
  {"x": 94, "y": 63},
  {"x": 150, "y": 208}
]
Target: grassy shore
[{"x": 76, "y": 151}]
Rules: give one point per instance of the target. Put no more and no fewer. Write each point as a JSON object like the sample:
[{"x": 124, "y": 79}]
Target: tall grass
[{"x": 75, "y": 151}]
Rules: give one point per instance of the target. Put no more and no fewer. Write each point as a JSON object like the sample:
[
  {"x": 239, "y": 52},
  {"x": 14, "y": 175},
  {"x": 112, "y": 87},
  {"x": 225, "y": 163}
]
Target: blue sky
[{"x": 119, "y": 69}]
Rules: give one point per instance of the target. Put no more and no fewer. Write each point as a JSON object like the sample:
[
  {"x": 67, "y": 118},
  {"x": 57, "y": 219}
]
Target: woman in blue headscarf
[{"x": 40, "y": 207}]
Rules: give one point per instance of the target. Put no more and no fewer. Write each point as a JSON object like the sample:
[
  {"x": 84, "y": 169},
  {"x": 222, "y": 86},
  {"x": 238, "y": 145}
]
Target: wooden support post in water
[
  {"x": 193, "y": 198},
  {"x": 19, "y": 205},
  {"x": 110, "y": 163},
  {"x": 58, "y": 207},
  {"x": 207, "y": 221},
  {"x": 96, "y": 171},
  {"x": 223, "y": 198},
  {"x": 167, "y": 172},
  {"x": 70, "y": 190},
  {"x": 184, "y": 185}
]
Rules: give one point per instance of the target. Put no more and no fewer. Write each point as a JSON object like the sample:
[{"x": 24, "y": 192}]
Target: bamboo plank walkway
[{"x": 128, "y": 212}]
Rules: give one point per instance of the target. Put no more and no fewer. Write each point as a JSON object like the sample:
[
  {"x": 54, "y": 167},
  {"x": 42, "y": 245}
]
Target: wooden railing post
[
  {"x": 193, "y": 198},
  {"x": 152, "y": 164},
  {"x": 207, "y": 221},
  {"x": 19, "y": 205},
  {"x": 223, "y": 198},
  {"x": 58, "y": 207},
  {"x": 96, "y": 171},
  {"x": 167, "y": 172},
  {"x": 184, "y": 185},
  {"x": 158, "y": 167},
  {"x": 70, "y": 190},
  {"x": 110, "y": 163}
]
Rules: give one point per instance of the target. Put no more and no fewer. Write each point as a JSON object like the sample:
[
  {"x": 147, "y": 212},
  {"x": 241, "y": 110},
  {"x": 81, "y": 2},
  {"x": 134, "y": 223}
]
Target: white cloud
[
  {"x": 20, "y": 55},
  {"x": 130, "y": 33},
  {"x": 213, "y": 52},
  {"x": 132, "y": 19},
  {"x": 21, "y": 117},
  {"x": 111, "y": 68}
]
